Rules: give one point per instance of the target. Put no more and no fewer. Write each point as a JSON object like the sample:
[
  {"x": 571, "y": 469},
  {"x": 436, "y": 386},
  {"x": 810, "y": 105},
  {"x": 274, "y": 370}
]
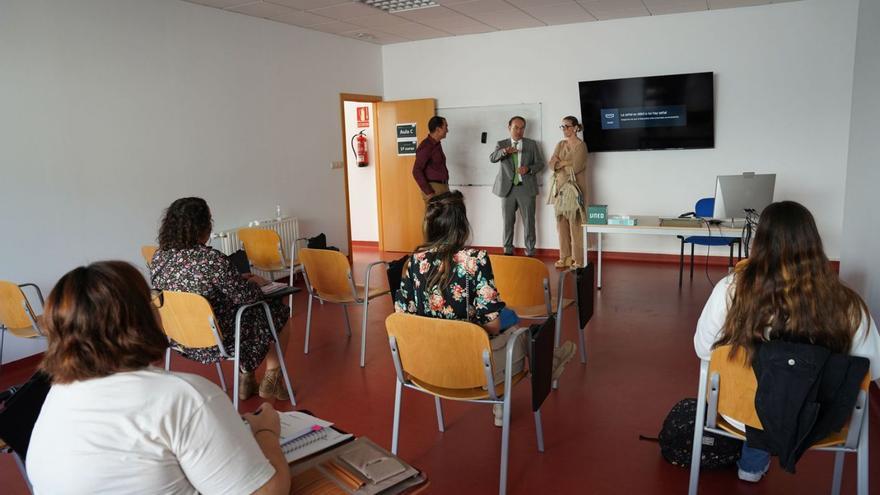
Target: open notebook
[{"x": 303, "y": 435}]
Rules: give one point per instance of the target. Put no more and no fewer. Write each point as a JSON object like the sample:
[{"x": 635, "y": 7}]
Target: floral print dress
[
  {"x": 471, "y": 294},
  {"x": 206, "y": 271}
]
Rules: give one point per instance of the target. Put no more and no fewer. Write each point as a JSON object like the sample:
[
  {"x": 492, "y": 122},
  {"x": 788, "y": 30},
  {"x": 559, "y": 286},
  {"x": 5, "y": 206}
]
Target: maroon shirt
[{"x": 430, "y": 165}]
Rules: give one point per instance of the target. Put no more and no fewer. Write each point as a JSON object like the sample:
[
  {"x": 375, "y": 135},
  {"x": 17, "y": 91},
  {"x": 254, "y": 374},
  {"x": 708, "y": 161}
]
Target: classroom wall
[
  {"x": 111, "y": 109},
  {"x": 783, "y": 90},
  {"x": 858, "y": 265}
]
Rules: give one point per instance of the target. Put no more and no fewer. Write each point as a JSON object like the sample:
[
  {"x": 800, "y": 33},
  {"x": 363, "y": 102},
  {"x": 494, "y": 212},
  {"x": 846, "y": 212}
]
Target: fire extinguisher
[{"x": 361, "y": 150}]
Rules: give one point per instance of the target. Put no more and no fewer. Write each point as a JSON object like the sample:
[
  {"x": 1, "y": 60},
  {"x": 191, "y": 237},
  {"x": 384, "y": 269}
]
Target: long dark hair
[
  {"x": 99, "y": 320},
  {"x": 446, "y": 230},
  {"x": 185, "y": 224},
  {"x": 788, "y": 287}
]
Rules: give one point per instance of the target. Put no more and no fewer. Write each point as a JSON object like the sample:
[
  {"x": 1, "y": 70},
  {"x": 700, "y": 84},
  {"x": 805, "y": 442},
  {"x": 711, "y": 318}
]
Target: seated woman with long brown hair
[
  {"x": 185, "y": 263},
  {"x": 112, "y": 423},
  {"x": 786, "y": 291},
  {"x": 446, "y": 279}
]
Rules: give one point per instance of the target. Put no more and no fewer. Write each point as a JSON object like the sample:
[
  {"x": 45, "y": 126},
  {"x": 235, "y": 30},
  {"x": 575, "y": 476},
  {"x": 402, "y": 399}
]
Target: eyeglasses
[{"x": 565, "y": 126}]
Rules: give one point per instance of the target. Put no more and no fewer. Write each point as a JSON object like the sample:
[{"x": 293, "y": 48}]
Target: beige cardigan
[{"x": 573, "y": 158}]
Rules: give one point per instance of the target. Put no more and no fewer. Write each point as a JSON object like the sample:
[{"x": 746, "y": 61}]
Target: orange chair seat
[
  {"x": 475, "y": 393},
  {"x": 346, "y": 299},
  {"x": 539, "y": 310}
]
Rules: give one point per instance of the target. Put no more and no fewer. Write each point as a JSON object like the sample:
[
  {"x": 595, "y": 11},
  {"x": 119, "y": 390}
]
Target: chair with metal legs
[
  {"x": 453, "y": 360},
  {"x": 328, "y": 278},
  {"x": 17, "y": 315},
  {"x": 524, "y": 285},
  {"x": 264, "y": 251},
  {"x": 736, "y": 399},
  {"x": 188, "y": 319}
]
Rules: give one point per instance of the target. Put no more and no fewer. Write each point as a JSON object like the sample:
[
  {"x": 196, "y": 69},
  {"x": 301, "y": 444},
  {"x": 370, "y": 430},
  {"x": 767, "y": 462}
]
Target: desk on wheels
[{"x": 649, "y": 225}]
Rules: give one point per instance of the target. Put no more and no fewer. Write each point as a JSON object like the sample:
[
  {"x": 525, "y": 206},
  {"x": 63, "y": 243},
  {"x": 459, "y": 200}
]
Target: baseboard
[
  {"x": 365, "y": 244},
  {"x": 699, "y": 260},
  {"x": 27, "y": 362}
]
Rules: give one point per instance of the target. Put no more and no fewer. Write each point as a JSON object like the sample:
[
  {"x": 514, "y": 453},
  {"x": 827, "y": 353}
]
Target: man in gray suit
[{"x": 516, "y": 183}]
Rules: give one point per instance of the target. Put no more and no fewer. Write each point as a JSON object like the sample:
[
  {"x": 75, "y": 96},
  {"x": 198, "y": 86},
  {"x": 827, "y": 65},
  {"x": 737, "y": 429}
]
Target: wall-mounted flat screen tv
[{"x": 649, "y": 113}]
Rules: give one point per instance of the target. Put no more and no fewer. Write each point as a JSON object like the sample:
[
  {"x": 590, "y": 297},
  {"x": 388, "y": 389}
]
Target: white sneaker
[
  {"x": 752, "y": 477},
  {"x": 498, "y": 412}
]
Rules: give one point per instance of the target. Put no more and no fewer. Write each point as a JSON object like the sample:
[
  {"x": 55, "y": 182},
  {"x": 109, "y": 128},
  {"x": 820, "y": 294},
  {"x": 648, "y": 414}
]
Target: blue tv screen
[{"x": 649, "y": 113}]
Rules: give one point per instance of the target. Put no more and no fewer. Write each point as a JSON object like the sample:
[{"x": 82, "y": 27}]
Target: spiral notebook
[{"x": 303, "y": 435}]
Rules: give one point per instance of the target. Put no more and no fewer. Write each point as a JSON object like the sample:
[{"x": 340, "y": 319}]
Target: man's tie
[{"x": 515, "y": 159}]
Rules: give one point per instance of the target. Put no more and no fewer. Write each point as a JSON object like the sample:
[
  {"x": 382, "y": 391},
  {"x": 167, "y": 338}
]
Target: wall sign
[
  {"x": 406, "y": 139},
  {"x": 363, "y": 117}
]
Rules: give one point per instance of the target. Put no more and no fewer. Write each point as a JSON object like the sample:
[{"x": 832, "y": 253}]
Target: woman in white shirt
[
  {"x": 785, "y": 290},
  {"x": 112, "y": 423}
]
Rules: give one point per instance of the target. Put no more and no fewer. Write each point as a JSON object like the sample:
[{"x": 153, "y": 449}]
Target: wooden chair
[
  {"x": 188, "y": 319},
  {"x": 264, "y": 251},
  {"x": 328, "y": 278},
  {"x": 453, "y": 360},
  {"x": 524, "y": 285},
  {"x": 17, "y": 316},
  {"x": 736, "y": 399},
  {"x": 148, "y": 252}
]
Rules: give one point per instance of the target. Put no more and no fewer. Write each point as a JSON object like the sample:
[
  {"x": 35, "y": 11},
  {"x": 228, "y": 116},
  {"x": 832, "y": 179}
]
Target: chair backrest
[
  {"x": 148, "y": 252},
  {"x": 12, "y": 307},
  {"x": 738, "y": 385},
  {"x": 705, "y": 207},
  {"x": 736, "y": 394},
  {"x": 263, "y": 246},
  {"x": 188, "y": 319},
  {"x": 441, "y": 353},
  {"x": 520, "y": 280},
  {"x": 327, "y": 271}
]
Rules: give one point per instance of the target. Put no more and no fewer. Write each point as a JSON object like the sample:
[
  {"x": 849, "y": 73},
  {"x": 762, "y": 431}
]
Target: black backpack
[{"x": 677, "y": 437}]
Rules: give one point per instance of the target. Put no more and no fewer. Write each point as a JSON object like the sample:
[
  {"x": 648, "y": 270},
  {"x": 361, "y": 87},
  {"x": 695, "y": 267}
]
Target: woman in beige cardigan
[{"x": 569, "y": 160}]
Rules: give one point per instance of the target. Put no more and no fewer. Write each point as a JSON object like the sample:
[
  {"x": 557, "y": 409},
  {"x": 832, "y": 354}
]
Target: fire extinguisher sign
[
  {"x": 363, "y": 117},
  {"x": 406, "y": 139}
]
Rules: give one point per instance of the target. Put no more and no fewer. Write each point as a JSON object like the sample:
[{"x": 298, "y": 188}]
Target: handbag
[{"x": 569, "y": 199}]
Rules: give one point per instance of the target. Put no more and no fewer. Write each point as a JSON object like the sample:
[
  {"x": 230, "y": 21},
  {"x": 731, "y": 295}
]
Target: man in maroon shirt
[{"x": 429, "y": 170}]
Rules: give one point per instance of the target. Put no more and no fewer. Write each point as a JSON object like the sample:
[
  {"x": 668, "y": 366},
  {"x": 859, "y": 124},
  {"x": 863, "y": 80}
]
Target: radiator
[{"x": 227, "y": 242}]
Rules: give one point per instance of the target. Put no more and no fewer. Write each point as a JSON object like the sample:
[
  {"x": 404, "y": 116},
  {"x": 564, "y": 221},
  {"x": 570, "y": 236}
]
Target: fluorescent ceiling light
[{"x": 399, "y": 5}]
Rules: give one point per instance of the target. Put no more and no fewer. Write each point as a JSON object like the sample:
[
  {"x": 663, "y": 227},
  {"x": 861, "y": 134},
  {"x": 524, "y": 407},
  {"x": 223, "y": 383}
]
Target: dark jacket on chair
[{"x": 805, "y": 393}]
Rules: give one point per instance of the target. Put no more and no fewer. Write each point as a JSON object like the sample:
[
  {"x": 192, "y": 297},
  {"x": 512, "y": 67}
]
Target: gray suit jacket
[{"x": 530, "y": 157}]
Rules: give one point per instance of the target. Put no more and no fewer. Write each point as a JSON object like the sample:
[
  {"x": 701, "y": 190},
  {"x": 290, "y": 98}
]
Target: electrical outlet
[{"x": 335, "y": 165}]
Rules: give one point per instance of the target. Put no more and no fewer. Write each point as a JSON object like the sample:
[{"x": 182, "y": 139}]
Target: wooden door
[{"x": 401, "y": 208}]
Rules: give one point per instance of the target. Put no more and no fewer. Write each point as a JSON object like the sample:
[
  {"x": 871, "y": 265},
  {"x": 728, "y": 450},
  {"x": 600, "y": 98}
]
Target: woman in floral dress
[
  {"x": 185, "y": 263},
  {"x": 446, "y": 279}
]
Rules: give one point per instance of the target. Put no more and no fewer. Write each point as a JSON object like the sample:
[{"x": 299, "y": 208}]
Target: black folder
[{"x": 541, "y": 343}]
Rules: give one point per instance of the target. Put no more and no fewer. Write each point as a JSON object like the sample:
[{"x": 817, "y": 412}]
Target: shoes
[
  {"x": 561, "y": 356},
  {"x": 530, "y": 254},
  {"x": 575, "y": 265},
  {"x": 563, "y": 263},
  {"x": 273, "y": 385},
  {"x": 752, "y": 477},
  {"x": 247, "y": 385},
  {"x": 508, "y": 253},
  {"x": 498, "y": 412}
]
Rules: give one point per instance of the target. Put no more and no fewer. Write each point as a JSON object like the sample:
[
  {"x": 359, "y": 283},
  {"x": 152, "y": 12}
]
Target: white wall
[
  {"x": 858, "y": 256},
  {"x": 363, "y": 208},
  {"x": 111, "y": 109},
  {"x": 783, "y": 89}
]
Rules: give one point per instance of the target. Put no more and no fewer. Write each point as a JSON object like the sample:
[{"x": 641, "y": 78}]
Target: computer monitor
[{"x": 734, "y": 194}]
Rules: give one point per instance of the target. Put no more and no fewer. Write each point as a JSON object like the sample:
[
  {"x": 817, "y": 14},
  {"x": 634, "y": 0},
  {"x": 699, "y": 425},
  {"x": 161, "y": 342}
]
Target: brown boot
[
  {"x": 247, "y": 385},
  {"x": 273, "y": 385}
]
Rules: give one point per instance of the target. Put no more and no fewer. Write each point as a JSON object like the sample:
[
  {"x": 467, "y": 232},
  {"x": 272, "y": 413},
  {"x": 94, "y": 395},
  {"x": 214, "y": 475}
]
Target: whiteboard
[{"x": 467, "y": 158}]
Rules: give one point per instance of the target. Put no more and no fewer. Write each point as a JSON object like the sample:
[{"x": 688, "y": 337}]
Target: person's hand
[
  {"x": 553, "y": 161},
  {"x": 510, "y": 150},
  {"x": 523, "y": 170},
  {"x": 264, "y": 419},
  {"x": 257, "y": 280}
]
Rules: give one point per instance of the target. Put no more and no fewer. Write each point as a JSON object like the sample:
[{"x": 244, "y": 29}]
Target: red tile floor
[{"x": 640, "y": 362}]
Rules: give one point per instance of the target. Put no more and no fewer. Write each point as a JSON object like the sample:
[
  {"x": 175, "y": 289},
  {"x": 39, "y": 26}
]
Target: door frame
[{"x": 361, "y": 98}]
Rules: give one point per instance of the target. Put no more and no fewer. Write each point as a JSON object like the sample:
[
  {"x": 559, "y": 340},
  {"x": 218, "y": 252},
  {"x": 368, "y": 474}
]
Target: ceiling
[{"x": 457, "y": 17}]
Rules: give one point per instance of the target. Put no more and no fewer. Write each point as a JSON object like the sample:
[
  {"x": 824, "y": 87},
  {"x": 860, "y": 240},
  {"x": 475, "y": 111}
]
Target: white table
[{"x": 650, "y": 225}]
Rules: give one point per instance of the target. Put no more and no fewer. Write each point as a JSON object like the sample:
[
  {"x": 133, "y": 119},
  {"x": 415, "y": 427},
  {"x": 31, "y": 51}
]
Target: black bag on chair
[
  {"x": 20, "y": 413},
  {"x": 677, "y": 438},
  {"x": 586, "y": 293},
  {"x": 319, "y": 242},
  {"x": 395, "y": 275}
]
